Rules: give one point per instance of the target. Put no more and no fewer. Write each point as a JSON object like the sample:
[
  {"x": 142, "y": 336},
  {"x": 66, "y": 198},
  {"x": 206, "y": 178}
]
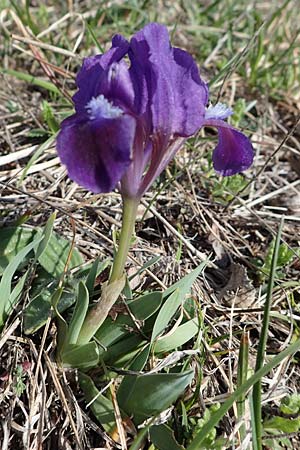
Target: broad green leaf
[
  {"x": 123, "y": 351},
  {"x": 12, "y": 240},
  {"x": 38, "y": 310},
  {"x": 181, "y": 335},
  {"x": 6, "y": 280},
  {"x": 127, "y": 291},
  {"x": 81, "y": 357},
  {"x": 146, "y": 305},
  {"x": 153, "y": 393},
  {"x": 112, "y": 331},
  {"x": 55, "y": 256},
  {"x": 101, "y": 406},
  {"x": 79, "y": 313},
  {"x": 177, "y": 296},
  {"x": 128, "y": 381},
  {"x": 163, "y": 438},
  {"x": 166, "y": 313}
]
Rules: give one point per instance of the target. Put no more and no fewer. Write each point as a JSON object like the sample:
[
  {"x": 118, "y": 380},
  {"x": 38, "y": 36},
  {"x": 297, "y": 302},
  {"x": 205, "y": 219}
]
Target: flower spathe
[{"x": 131, "y": 118}]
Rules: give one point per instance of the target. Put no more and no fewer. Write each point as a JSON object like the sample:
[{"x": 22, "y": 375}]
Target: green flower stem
[
  {"x": 113, "y": 288},
  {"x": 128, "y": 222}
]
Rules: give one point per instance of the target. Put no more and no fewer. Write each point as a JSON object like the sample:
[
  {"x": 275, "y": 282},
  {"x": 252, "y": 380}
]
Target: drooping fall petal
[
  {"x": 234, "y": 152},
  {"x": 96, "y": 152}
]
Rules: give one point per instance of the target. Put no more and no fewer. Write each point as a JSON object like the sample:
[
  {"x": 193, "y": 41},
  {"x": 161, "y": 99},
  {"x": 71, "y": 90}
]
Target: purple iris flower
[{"x": 135, "y": 106}]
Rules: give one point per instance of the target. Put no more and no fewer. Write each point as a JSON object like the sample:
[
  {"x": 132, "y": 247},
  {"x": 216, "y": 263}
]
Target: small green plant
[
  {"x": 49, "y": 117},
  {"x": 288, "y": 423},
  {"x": 290, "y": 404},
  {"x": 285, "y": 256},
  {"x": 225, "y": 189},
  {"x": 211, "y": 441},
  {"x": 20, "y": 375}
]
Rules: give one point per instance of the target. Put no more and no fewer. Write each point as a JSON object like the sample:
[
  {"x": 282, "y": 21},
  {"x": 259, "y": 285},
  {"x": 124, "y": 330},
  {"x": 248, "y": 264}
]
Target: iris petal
[
  {"x": 101, "y": 74},
  {"x": 177, "y": 95},
  {"x": 96, "y": 152},
  {"x": 234, "y": 152}
]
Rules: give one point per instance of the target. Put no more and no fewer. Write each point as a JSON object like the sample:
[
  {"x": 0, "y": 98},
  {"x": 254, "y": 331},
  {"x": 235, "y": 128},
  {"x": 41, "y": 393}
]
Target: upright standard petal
[
  {"x": 117, "y": 51},
  {"x": 177, "y": 95},
  {"x": 94, "y": 76},
  {"x": 234, "y": 152},
  {"x": 97, "y": 152}
]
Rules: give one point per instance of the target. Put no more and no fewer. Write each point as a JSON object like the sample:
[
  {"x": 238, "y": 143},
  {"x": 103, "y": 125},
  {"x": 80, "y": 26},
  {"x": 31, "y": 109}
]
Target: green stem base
[{"x": 112, "y": 290}]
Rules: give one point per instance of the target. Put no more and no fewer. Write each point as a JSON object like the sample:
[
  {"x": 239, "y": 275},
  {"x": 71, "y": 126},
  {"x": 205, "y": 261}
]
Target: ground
[{"x": 248, "y": 52}]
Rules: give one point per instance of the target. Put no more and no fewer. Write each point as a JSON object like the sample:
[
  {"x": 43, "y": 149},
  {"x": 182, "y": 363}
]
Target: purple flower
[{"x": 135, "y": 106}]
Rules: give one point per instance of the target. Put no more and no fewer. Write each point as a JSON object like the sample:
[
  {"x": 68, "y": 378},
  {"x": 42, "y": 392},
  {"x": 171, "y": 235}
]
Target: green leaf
[
  {"x": 278, "y": 443},
  {"x": 128, "y": 381},
  {"x": 19, "y": 236},
  {"x": 243, "y": 367},
  {"x": 47, "y": 232},
  {"x": 79, "y": 313},
  {"x": 290, "y": 404},
  {"x": 153, "y": 393},
  {"x": 282, "y": 424},
  {"x": 97, "y": 268},
  {"x": 38, "y": 310},
  {"x": 15, "y": 295},
  {"x": 32, "y": 80},
  {"x": 144, "y": 267},
  {"x": 6, "y": 280},
  {"x": 83, "y": 357},
  {"x": 62, "y": 326},
  {"x": 55, "y": 256},
  {"x": 185, "y": 284},
  {"x": 285, "y": 256},
  {"x": 12, "y": 240},
  {"x": 163, "y": 438},
  {"x": 101, "y": 406},
  {"x": 166, "y": 313},
  {"x": 112, "y": 331},
  {"x": 37, "y": 153},
  {"x": 181, "y": 335},
  {"x": 139, "y": 439},
  {"x": 218, "y": 415},
  {"x": 257, "y": 388},
  {"x": 124, "y": 350},
  {"x": 49, "y": 117},
  {"x": 177, "y": 296},
  {"x": 145, "y": 306},
  {"x": 94, "y": 38}
]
